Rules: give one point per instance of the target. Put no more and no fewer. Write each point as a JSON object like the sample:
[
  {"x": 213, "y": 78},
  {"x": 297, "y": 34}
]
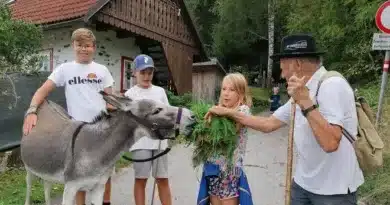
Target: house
[
  {"x": 206, "y": 80},
  {"x": 162, "y": 29}
]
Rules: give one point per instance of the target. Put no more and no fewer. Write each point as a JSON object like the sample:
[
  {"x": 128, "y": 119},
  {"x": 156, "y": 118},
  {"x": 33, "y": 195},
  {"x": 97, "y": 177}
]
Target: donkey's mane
[{"x": 101, "y": 116}]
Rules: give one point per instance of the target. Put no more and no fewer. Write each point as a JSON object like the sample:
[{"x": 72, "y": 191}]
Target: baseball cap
[{"x": 141, "y": 62}]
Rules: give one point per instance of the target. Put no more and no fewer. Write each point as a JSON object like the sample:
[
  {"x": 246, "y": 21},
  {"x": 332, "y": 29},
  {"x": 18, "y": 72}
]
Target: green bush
[{"x": 179, "y": 100}]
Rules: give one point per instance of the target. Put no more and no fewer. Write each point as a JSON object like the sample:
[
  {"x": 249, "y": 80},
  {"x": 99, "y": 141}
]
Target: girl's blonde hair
[{"x": 241, "y": 86}]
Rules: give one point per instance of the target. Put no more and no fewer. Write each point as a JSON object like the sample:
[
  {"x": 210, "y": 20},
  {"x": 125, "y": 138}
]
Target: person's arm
[
  {"x": 263, "y": 124},
  {"x": 55, "y": 79},
  {"x": 326, "y": 121},
  {"x": 108, "y": 82},
  {"x": 42, "y": 93},
  {"x": 164, "y": 97}
]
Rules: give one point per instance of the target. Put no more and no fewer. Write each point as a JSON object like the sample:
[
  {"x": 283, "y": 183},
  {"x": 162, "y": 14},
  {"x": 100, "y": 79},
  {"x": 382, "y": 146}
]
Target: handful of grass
[{"x": 217, "y": 138}]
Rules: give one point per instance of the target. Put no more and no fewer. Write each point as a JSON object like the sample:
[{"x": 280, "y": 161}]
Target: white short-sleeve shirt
[
  {"x": 317, "y": 171},
  {"x": 82, "y": 85},
  {"x": 153, "y": 93}
]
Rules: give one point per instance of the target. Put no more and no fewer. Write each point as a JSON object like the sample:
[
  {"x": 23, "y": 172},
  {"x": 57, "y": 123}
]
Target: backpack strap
[{"x": 325, "y": 76}]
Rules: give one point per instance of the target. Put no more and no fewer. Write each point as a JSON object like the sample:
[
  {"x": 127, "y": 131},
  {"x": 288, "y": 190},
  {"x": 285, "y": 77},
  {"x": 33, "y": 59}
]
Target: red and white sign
[{"x": 382, "y": 17}]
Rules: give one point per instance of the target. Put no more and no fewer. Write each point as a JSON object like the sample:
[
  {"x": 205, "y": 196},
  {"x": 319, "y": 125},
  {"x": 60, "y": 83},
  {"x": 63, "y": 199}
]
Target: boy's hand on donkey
[{"x": 29, "y": 122}]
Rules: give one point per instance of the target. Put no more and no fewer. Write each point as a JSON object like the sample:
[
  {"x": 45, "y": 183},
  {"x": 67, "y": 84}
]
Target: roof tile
[{"x": 50, "y": 11}]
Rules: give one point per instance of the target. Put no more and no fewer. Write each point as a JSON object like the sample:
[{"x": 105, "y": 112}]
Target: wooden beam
[{"x": 180, "y": 66}]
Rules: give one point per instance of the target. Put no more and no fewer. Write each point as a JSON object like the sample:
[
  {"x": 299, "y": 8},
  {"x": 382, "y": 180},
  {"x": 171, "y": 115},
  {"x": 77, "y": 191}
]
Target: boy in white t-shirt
[
  {"x": 146, "y": 147},
  {"x": 83, "y": 79}
]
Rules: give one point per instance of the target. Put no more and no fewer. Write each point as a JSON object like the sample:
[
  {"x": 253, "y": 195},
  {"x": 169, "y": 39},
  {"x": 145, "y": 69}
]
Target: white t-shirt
[
  {"x": 82, "y": 85},
  {"x": 153, "y": 93},
  {"x": 317, "y": 171}
]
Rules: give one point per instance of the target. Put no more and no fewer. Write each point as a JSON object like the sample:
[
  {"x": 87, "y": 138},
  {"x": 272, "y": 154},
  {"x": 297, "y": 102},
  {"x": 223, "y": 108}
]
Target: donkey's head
[{"x": 163, "y": 121}]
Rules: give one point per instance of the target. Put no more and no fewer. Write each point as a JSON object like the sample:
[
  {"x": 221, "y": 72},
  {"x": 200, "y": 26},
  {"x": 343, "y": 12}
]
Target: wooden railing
[{"x": 157, "y": 17}]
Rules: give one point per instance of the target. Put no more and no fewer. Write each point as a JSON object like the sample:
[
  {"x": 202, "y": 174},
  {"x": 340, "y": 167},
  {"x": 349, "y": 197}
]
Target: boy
[
  {"x": 146, "y": 147},
  {"x": 83, "y": 79},
  {"x": 274, "y": 99}
]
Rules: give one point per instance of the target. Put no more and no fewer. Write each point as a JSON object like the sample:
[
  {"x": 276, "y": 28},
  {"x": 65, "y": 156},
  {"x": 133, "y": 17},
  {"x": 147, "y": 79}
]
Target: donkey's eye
[{"x": 156, "y": 111}]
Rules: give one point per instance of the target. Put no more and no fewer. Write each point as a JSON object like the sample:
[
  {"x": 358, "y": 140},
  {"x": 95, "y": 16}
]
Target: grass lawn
[
  {"x": 260, "y": 93},
  {"x": 13, "y": 186},
  {"x": 376, "y": 188},
  {"x": 261, "y": 96}
]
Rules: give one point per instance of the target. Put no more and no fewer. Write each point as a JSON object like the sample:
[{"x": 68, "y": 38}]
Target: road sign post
[
  {"x": 383, "y": 86},
  {"x": 381, "y": 41}
]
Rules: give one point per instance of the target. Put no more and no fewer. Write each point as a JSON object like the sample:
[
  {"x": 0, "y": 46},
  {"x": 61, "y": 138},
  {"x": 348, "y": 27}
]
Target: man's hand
[
  {"x": 29, "y": 123},
  {"x": 298, "y": 91},
  {"x": 217, "y": 110}
]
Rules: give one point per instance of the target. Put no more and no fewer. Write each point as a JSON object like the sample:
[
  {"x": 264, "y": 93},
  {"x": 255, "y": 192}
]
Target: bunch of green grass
[{"x": 217, "y": 138}]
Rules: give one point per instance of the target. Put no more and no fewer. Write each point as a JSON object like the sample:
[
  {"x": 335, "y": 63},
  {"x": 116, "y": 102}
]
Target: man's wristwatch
[
  {"x": 31, "y": 110},
  {"x": 309, "y": 109}
]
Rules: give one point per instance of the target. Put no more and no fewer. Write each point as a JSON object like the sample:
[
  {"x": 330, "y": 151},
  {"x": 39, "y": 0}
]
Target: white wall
[{"x": 109, "y": 49}]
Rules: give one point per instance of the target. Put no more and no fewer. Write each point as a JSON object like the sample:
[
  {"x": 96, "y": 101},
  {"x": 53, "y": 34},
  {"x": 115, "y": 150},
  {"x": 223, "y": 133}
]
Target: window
[
  {"x": 127, "y": 78},
  {"x": 46, "y": 63}
]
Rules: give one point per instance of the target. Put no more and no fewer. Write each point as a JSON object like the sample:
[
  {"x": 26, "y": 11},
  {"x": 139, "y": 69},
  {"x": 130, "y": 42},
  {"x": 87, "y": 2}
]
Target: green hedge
[
  {"x": 259, "y": 97},
  {"x": 179, "y": 100}
]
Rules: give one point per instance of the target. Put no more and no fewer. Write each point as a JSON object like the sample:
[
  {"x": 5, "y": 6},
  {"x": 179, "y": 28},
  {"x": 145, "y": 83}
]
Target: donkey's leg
[
  {"x": 29, "y": 178},
  {"x": 47, "y": 187},
  {"x": 69, "y": 195},
  {"x": 97, "y": 194}
]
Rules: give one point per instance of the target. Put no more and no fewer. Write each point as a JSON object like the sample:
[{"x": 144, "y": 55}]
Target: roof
[
  {"x": 50, "y": 11},
  {"x": 53, "y": 11},
  {"x": 211, "y": 62}
]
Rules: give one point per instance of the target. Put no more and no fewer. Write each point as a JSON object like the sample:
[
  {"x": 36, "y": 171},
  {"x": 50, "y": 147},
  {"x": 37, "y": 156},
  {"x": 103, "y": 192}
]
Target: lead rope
[{"x": 155, "y": 181}]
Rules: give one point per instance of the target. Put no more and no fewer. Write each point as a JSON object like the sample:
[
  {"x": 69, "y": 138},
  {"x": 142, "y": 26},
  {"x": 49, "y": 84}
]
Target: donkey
[{"x": 82, "y": 155}]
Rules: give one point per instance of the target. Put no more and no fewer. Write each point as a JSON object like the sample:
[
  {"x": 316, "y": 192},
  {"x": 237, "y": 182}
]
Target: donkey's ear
[{"x": 110, "y": 99}]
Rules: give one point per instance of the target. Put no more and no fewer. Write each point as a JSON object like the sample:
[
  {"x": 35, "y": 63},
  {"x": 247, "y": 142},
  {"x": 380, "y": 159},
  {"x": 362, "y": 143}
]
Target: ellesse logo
[{"x": 90, "y": 78}]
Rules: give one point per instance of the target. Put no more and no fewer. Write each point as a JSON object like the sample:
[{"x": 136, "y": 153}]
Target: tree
[
  {"x": 271, "y": 35},
  {"x": 19, "y": 45},
  {"x": 344, "y": 29}
]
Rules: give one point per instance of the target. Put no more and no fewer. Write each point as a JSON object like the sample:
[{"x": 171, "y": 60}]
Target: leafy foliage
[
  {"x": 19, "y": 44},
  {"x": 217, "y": 138},
  {"x": 343, "y": 28},
  {"x": 240, "y": 24},
  {"x": 179, "y": 100},
  {"x": 19, "y": 41}
]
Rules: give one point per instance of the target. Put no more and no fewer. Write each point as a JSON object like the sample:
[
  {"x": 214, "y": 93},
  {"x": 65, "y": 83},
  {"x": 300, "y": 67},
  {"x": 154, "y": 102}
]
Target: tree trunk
[{"x": 271, "y": 32}]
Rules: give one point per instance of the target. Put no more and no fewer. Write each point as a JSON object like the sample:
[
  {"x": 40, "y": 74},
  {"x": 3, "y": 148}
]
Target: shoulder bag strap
[{"x": 325, "y": 76}]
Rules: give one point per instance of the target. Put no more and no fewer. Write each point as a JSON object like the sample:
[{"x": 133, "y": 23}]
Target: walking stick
[{"x": 290, "y": 154}]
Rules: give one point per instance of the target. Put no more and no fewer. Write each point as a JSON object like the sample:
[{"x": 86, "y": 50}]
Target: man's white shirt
[{"x": 317, "y": 171}]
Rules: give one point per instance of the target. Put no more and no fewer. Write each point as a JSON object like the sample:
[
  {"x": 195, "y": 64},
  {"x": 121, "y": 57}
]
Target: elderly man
[{"x": 327, "y": 170}]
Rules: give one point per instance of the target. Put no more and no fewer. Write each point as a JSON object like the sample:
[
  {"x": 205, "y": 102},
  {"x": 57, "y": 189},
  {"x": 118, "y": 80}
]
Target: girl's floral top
[{"x": 239, "y": 152}]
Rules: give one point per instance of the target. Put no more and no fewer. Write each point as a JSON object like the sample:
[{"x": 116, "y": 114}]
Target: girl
[{"x": 223, "y": 185}]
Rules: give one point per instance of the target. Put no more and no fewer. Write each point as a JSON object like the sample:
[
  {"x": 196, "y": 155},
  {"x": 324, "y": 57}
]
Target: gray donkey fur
[{"x": 47, "y": 150}]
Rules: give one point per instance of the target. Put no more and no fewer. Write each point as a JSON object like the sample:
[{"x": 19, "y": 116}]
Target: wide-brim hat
[{"x": 297, "y": 45}]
